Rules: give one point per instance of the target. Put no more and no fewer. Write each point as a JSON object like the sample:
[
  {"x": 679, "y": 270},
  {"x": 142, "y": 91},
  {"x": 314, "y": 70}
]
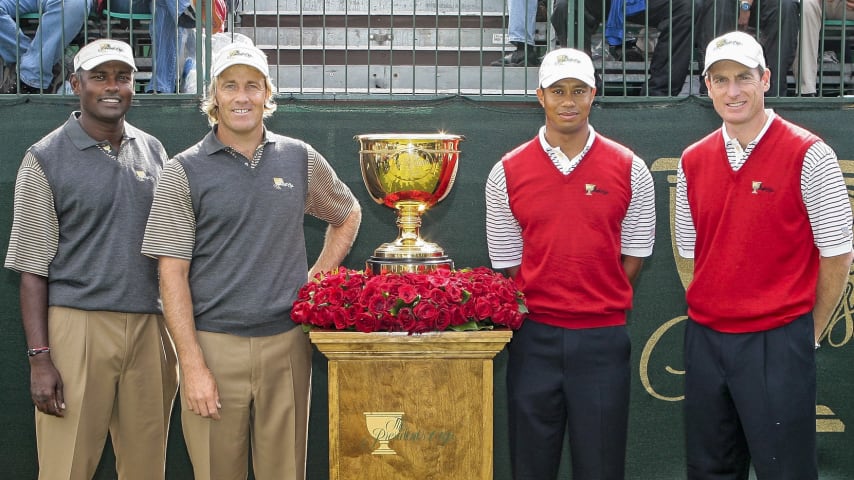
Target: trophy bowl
[{"x": 410, "y": 173}]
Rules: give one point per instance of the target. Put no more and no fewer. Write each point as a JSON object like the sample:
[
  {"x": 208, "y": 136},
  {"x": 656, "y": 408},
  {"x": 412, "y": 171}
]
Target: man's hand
[
  {"x": 46, "y": 385},
  {"x": 200, "y": 392},
  {"x": 743, "y": 19}
]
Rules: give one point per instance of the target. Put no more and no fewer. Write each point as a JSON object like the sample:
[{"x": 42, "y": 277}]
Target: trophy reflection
[
  {"x": 383, "y": 427},
  {"x": 410, "y": 173}
]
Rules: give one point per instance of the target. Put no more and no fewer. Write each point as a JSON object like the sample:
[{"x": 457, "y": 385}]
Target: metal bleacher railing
[{"x": 406, "y": 48}]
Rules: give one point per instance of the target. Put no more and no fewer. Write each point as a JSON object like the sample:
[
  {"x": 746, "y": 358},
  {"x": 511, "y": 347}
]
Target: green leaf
[{"x": 470, "y": 326}]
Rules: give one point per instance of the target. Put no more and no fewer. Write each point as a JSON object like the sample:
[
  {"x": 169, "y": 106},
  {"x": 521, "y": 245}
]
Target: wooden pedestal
[{"x": 427, "y": 397}]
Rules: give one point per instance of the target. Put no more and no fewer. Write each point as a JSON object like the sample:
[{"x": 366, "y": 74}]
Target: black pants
[
  {"x": 670, "y": 60},
  {"x": 568, "y": 381},
  {"x": 750, "y": 398},
  {"x": 776, "y": 21}
]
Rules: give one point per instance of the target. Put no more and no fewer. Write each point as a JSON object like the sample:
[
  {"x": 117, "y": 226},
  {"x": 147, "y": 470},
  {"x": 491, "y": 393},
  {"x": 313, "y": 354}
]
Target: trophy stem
[
  {"x": 409, "y": 223},
  {"x": 408, "y": 252}
]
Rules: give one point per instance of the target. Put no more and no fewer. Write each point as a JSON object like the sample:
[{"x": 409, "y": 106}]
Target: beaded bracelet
[{"x": 32, "y": 352}]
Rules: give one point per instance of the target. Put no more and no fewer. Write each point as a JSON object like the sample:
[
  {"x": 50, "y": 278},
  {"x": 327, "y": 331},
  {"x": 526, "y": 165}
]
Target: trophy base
[{"x": 378, "y": 265}]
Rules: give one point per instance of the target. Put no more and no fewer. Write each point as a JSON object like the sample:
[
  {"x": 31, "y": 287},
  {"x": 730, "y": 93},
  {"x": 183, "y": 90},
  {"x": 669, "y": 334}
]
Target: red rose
[
  {"x": 455, "y": 293},
  {"x": 443, "y": 319},
  {"x": 482, "y": 308},
  {"x": 301, "y": 312},
  {"x": 426, "y": 312},
  {"x": 323, "y": 318},
  {"x": 365, "y": 322},
  {"x": 408, "y": 294},
  {"x": 406, "y": 319}
]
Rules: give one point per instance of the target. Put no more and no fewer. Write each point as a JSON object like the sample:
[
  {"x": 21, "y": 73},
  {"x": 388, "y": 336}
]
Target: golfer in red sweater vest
[
  {"x": 763, "y": 210},
  {"x": 570, "y": 215}
]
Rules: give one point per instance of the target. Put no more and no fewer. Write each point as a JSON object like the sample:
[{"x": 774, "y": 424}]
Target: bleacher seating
[{"x": 433, "y": 47}]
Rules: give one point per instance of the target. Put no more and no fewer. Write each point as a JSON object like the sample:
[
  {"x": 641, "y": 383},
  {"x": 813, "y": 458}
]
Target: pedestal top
[{"x": 336, "y": 344}]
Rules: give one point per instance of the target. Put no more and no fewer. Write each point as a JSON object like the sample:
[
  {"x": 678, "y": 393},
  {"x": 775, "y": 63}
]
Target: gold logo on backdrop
[
  {"x": 589, "y": 188},
  {"x": 839, "y": 331}
]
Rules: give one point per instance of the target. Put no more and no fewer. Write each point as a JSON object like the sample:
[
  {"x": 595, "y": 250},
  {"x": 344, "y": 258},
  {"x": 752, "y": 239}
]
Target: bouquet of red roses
[{"x": 468, "y": 299}]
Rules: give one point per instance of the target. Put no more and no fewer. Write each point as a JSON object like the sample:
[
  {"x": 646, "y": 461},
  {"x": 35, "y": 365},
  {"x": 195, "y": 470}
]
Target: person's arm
[
  {"x": 511, "y": 271},
  {"x": 45, "y": 380},
  {"x": 743, "y": 16},
  {"x": 199, "y": 389},
  {"x": 338, "y": 241},
  {"x": 632, "y": 267},
  {"x": 832, "y": 278}
]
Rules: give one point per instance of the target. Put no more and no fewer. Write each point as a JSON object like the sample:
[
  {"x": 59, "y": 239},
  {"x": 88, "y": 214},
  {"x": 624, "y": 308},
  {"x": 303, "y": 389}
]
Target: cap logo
[
  {"x": 721, "y": 43},
  {"x": 561, "y": 59},
  {"x": 106, "y": 47},
  {"x": 239, "y": 53}
]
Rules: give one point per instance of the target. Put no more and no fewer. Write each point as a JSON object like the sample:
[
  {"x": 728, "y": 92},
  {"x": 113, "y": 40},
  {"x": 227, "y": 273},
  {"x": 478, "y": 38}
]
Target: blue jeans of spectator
[
  {"x": 165, "y": 38},
  {"x": 60, "y": 22},
  {"x": 522, "y": 23},
  {"x": 124, "y": 6}
]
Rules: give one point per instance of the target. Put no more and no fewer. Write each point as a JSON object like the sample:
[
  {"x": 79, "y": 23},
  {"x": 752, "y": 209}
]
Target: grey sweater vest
[
  {"x": 249, "y": 257},
  {"x": 102, "y": 205}
]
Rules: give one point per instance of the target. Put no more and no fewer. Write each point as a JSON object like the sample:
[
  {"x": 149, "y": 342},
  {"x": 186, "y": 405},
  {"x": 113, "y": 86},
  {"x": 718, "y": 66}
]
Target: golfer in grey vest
[
  {"x": 227, "y": 227},
  {"x": 100, "y": 357}
]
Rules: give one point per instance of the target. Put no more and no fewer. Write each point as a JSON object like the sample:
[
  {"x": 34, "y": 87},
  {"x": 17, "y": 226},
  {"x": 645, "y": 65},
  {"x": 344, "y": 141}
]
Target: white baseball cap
[
  {"x": 240, "y": 54},
  {"x": 736, "y": 46},
  {"x": 566, "y": 63},
  {"x": 103, "y": 50}
]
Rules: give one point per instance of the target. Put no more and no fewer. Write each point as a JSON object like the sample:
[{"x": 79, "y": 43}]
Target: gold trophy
[{"x": 410, "y": 173}]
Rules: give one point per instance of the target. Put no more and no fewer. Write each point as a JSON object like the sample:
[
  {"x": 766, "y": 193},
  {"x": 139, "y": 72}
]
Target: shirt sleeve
[
  {"x": 686, "y": 234},
  {"x": 638, "y": 227},
  {"x": 35, "y": 227},
  {"x": 826, "y": 199},
  {"x": 503, "y": 233},
  {"x": 328, "y": 198},
  {"x": 171, "y": 227}
]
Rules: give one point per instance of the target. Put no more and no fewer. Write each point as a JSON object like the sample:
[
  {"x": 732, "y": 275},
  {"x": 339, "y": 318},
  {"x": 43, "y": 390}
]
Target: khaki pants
[
  {"x": 119, "y": 373},
  {"x": 264, "y": 384}
]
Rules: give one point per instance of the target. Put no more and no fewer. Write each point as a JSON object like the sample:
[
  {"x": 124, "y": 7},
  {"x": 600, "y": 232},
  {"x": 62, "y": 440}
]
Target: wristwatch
[{"x": 744, "y": 5}]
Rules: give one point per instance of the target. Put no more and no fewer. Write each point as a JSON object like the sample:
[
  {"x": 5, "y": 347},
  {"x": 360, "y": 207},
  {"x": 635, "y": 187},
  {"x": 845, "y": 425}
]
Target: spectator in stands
[
  {"x": 175, "y": 21},
  {"x": 172, "y": 19},
  {"x": 775, "y": 22},
  {"x": 810, "y": 31},
  {"x": 668, "y": 67},
  {"x": 521, "y": 27},
  {"x": 34, "y": 60}
]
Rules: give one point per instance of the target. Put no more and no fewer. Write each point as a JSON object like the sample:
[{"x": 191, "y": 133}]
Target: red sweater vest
[
  {"x": 755, "y": 261},
  {"x": 571, "y": 271}
]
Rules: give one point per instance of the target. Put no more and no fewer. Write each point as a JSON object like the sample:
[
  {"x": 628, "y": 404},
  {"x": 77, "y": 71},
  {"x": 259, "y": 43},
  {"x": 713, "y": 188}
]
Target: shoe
[
  {"x": 629, "y": 52},
  {"x": 187, "y": 19},
  {"x": 9, "y": 83},
  {"x": 8, "y": 79},
  {"x": 829, "y": 56},
  {"x": 519, "y": 58}
]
